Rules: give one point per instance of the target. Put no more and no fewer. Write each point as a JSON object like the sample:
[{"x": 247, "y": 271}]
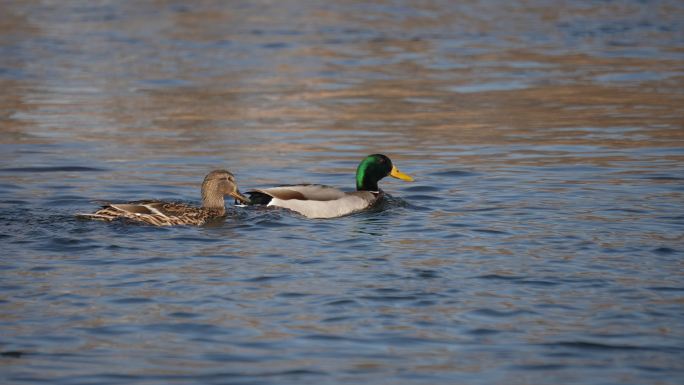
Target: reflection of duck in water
[
  {"x": 216, "y": 184},
  {"x": 317, "y": 201}
]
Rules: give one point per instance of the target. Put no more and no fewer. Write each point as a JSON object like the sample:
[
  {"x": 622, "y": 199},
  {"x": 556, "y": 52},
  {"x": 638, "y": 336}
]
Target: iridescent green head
[{"x": 373, "y": 168}]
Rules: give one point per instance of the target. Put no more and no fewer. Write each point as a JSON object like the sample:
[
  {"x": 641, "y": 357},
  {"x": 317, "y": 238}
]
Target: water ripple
[{"x": 541, "y": 241}]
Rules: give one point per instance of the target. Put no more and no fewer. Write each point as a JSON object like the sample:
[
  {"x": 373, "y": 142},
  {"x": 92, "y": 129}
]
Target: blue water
[{"x": 541, "y": 243}]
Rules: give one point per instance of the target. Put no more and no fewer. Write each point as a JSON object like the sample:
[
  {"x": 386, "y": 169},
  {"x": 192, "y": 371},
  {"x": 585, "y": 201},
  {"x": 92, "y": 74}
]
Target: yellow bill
[{"x": 400, "y": 175}]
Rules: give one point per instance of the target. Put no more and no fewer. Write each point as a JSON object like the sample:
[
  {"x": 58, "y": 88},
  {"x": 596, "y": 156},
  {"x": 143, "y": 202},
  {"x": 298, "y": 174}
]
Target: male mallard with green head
[
  {"x": 317, "y": 201},
  {"x": 216, "y": 184}
]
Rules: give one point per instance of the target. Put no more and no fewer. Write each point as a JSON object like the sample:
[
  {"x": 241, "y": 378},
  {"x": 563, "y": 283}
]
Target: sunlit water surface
[{"x": 541, "y": 242}]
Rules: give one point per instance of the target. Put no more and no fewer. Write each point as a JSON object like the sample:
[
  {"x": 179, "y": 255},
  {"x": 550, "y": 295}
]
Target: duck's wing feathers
[
  {"x": 304, "y": 192},
  {"x": 153, "y": 212}
]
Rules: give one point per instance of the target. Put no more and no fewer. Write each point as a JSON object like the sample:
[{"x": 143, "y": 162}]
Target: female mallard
[
  {"x": 216, "y": 184},
  {"x": 317, "y": 201}
]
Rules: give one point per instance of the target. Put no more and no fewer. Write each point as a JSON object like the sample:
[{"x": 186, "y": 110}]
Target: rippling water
[{"x": 542, "y": 241}]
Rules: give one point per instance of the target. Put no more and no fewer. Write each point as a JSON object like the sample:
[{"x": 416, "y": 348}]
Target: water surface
[{"x": 542, "y": 241}]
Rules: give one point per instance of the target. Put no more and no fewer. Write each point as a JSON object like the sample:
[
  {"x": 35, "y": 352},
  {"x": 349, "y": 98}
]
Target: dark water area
[{"x": 541, "y": 243}]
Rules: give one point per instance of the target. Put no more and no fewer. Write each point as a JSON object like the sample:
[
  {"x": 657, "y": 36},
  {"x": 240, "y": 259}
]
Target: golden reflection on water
[{"x": 407, "y": 87}]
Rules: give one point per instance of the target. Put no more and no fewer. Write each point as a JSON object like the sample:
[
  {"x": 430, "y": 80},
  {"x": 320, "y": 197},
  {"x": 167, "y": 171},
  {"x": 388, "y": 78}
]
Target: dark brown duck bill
[{"x": 239, "y": 197}]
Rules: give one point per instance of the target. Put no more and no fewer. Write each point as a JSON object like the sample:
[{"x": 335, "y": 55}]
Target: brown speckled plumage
[{"x": 216, "y": 184}]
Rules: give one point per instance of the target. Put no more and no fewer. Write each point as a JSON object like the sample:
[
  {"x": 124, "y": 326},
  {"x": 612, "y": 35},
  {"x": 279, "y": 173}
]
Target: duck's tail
[
  {"x": 106, "y": 213},
  {"x": 97, "y": 217},
  {"x": 259, "y": 198}
]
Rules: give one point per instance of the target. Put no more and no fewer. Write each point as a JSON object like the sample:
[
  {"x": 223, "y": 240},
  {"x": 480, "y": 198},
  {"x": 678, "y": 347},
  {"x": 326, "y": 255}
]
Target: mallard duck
[
  {"x": 318, "y": 201},
  {"x": 216, "y": 184}
]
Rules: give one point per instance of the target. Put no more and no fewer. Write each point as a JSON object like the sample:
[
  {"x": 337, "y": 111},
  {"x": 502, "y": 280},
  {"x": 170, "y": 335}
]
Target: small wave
[
  {"x": 483, "y": 332},
  {"x": 453, "y": 173},
  {"x": 183, "y": 314},
  {"x": 540, "y": 367},
  {"x": 426, "y": 274},
  {"x": 265, "y": 278},
  {"x": 421, "y": 189},
  {"x": 584, "y": 345},
  {"x": 292, "y": 295},
  {"x": 52, "y": 169},
  {"x": 499, "y": 277},
  {"x": 667, "y": 288},
  {"x": 389, "y": 298},
  {"x": 12, "y": 354},
  {"x": 341, "y": 302},
  {"x": 500, "y": 313},
  {"x": 518, "y": 280},
  {"x": 131, "y": 300},
  {"x": 423, "y": 197},
  {"x": 664, "y": 250}
]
